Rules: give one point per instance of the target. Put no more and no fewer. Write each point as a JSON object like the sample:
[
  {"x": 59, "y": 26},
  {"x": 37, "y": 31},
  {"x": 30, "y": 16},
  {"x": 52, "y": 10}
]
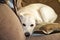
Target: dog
[{"x": 34, "y": 14}]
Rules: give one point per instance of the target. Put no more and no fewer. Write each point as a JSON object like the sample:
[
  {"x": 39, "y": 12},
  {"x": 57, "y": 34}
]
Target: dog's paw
[{"x": 47, "y": 32}]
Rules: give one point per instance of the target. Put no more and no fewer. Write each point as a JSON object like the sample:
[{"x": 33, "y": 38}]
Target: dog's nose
[{"x": 27, "y": 34}]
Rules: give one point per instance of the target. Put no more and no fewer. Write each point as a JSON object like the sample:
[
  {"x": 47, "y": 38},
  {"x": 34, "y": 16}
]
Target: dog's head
[{"x": 28, "y": 23}]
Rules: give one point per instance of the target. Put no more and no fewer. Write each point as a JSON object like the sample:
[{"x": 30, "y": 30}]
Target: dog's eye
[
  {"x": 31, "y": 25},
  {"x": 24, "y": 25}
]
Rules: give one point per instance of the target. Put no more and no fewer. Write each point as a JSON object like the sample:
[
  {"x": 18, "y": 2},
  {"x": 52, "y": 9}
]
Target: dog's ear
[
  {"x": 20, "y": 15},
  {"x": 37, "y": 22}
]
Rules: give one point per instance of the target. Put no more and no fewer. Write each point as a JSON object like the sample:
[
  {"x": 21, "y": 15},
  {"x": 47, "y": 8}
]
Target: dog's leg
[
  {"x": 49, "y": 28},
  {"x": 48, "y": 14}
]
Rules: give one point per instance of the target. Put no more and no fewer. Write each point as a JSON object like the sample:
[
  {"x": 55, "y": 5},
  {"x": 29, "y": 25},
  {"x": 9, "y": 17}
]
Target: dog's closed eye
[
  {"x": 32, "y": 25},
  {"x": 24, "y": 24}
]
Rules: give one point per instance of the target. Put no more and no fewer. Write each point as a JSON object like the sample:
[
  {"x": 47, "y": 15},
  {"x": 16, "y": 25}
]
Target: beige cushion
[{"x": 10, "y": 27}]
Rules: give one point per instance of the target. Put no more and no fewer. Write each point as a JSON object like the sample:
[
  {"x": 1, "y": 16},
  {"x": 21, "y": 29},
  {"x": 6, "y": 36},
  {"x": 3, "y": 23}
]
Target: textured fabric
[
  {"x": 46, "y": 37},
  {"x": 2, "y": 1}
]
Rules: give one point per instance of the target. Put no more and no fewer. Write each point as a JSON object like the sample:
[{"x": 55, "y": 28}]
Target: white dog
[{"x": 35, "y": 14}]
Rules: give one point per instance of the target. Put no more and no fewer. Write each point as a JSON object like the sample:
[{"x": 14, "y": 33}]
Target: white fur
[{"x": 36, "y": 14}]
